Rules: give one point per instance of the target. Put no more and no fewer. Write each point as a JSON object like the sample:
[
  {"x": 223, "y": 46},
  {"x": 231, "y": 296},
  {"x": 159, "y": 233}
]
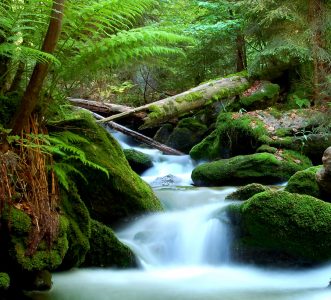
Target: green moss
[
  {"x": 266, "y": 95},
  {"x": 282, "y": 132},
  {"x": 118, "y": 196},
  {"x": 266, "y": 148},
  {"x": 139, "y": 162},
  {"x": 106, "y": 250},
  {"x": 79, "y": 228},
  {"x": 304, "y": 182},
  {"x": 44, "y": 257},
  {"x": 190, "y": 97},
  {"x": 247, "y": 191},
  {"x": 4, "y": 281},
  {"x": 235, "y": 134},
  {"x": 296, "y": 225},
  {"x": 259, "y": 167}
]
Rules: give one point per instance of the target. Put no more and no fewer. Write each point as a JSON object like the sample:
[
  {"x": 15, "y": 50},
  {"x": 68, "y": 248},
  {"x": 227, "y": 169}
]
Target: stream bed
[{"x": 184, "y": 253}]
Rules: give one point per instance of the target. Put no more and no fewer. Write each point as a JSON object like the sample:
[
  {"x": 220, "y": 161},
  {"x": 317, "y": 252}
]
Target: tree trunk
[
  {"x": 195, "y": 98},
  {"x": 31, "y": 95},
  {"x": 241, "y": 59},
  {"x": 141, "y": 138}
]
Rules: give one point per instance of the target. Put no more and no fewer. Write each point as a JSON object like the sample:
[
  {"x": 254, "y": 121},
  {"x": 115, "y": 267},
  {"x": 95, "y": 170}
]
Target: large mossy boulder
[
  {"x": 112, "y": 198},
  {"x": 304, "y": 182},
  {"x": 138, "y": 161},
  {"x": 254, "y": 168},
  {"x": 106, "y": 250},
  {"x": 235, "y": 134},
  {"x": 247, "y": 191},
  {"x": 281, "y": 228}
]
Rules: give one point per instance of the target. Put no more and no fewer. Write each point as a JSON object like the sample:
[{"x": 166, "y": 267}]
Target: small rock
[{"x": 166, "y": 181}]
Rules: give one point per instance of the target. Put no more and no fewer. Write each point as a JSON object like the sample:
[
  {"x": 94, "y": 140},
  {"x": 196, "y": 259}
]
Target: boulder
[
  {"x": 138, "y": 161},
  {"x": 106, "y": 250},
  {"x": 323, "y": 176},
  {"x": 304, "y": 182},
  {"x": 247, "y": 191},
  {"x": 244, "y": 169},
  {"x": 117, "y": 196},
  {"x": 167, "y": 180},
  {"x": 280, "y": 228}
]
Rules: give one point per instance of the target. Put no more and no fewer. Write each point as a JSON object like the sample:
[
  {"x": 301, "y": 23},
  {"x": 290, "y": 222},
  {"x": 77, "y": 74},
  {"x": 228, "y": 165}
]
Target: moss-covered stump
[
  {"x": 304, "y": 182},
  {"x": 244, "y": 169},
  {"x": 117, "y": 196},
  {"x": 235, "y": 134},
  {"x": 79, "y": 228},
  {"x": 281, "y": 228},
  {"x": 247, "y": 191},
  {"x": 106, "y": 250},
  {"x": 138, "y": 161}
]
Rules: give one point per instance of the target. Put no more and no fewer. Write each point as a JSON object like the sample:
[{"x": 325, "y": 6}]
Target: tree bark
[
  {"x": 241, "y": 59},
  {"x": 195, "y": 98},
  {"x": 141, "y": 138},
  {"x": 31, "y": 95}
]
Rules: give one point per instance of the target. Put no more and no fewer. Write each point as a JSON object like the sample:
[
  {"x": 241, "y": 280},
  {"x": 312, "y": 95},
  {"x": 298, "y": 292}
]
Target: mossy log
[{"x": 197, "y": 97}]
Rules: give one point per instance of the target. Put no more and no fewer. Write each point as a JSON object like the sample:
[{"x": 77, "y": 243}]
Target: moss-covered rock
[
  {"x": 188, "y": 132},
  {"x": 162, "y": 135},
  {"x": 106, "y": 250},
  {"x": 235, "y": 134},
  {"x": 244, "y": 169},
  {"x": 247, "y": 191},
  {"x": 4, "y": 282},
  {"x": 138, "y": 161},
  {"x": 44, "y": 257},
  {"x": 266, "y": 148},
  {"x": 304, "y": 182},
  {"x": 284, "y": 228},
  {"x": 262, "y": 95},
  {"x": 108, "y": 198},
  {"x": 79, "y": 228}
]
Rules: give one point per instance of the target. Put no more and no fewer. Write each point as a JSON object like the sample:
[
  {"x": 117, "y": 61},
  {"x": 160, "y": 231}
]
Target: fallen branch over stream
[{"x": 140, "y": 137}]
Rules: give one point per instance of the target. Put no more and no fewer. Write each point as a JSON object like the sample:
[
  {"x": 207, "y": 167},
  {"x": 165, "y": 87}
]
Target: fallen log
[
  {"x": 198, "y": 97},
  {"x": 140, "y": 137},
  {"x": 97, "y": 106}
]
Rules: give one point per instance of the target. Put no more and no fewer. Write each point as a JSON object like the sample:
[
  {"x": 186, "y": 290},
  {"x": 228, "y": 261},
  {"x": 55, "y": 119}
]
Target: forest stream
[{"x": 185, "y": 253}]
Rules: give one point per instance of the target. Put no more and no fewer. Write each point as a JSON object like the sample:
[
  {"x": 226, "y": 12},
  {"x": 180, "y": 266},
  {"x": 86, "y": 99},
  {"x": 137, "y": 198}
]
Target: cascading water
[{"x": 185, "y": 253}]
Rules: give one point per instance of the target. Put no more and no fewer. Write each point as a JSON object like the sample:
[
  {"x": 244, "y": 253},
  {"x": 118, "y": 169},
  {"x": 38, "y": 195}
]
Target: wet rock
[
  {"x": 42, "y": 281},
  {"x": 323, "y": 176},
  {"x": 265, "y": 168},
  {"x": 247, "y": 191},
  {"x": 168, "y": 180},
  {"x": 283, "y": 229},
  {"x": 138, "y": 161}
]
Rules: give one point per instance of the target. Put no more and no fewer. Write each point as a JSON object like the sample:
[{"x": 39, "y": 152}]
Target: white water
[{"x": 185, "y": 255}]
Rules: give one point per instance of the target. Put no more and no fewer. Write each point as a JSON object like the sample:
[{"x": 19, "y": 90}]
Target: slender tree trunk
[
  {"x": 317, "y": 21},
  {"x": 17, "y": 78},
  {"x": 241, "y": 60},
  {"x": 31, "y": 95}
]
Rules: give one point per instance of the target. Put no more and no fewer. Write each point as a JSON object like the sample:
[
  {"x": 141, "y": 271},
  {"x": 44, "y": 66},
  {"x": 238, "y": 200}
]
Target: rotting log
[
  {"x": 140, "y": 137},
  {"x": 195, "y": 98},
  {"x": 102, "y": 107}
]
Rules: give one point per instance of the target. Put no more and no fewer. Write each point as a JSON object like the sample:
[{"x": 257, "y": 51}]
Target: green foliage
[{"x": 4, "y": 281}]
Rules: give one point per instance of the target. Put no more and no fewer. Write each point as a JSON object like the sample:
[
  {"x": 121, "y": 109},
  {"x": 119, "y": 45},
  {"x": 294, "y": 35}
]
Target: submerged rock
[
  {"x": 280, "y": 228},
  {"x": 106, "y": 250},
  {"x": 138, "y": 161},
  {"x": 247, "y": 191},
  {"x": 167, "y": 180},
  {"x": 259, "y": 167}
]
